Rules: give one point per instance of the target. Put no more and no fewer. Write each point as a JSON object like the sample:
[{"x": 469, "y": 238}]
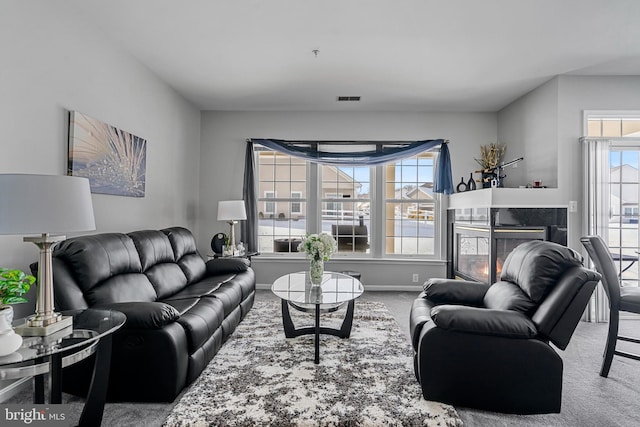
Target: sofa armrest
[
  {"x": 227, "y": 265},
  {"x": 144, "y": 315},
  {"x": 449, "y": 291},
  {"x": 502, "y": 323}
]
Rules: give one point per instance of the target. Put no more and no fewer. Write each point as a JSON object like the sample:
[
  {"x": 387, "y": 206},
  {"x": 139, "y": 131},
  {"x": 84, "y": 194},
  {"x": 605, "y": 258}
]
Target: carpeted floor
[
  {"x": 260, "y": 377},
  {"x": 587, "y": 399}
]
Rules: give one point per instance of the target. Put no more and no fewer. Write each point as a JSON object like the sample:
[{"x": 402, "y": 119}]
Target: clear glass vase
[{"x": 316, "y": 270}]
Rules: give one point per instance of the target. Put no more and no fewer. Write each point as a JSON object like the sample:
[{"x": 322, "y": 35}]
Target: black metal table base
[
  {"x": 290, "y": 330},
  {"x": 97, "y": 395}
]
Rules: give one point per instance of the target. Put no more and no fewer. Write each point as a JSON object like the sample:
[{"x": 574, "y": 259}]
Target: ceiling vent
[{"x": 347, "y": 98}]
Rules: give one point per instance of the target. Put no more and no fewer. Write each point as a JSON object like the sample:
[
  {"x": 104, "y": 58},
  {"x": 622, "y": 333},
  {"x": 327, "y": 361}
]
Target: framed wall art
[{"x": 115, "y": 161}]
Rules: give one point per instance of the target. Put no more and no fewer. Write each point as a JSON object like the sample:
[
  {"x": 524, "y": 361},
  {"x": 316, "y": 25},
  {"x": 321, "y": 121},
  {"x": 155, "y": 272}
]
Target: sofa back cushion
[
  {"x": 186, "y": 253},
  {"x": 537, "y": 266},
  {"x": 158, "y": 262},
  {"x": 101, "y": 261}
]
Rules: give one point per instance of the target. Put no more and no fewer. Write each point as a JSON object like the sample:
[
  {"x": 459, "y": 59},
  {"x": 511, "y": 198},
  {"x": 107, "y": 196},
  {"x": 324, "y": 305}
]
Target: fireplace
[{"x": 481, "y": 238}]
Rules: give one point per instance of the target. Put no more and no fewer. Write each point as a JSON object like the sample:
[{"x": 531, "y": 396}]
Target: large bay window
[{"x": 296, "y": 197}]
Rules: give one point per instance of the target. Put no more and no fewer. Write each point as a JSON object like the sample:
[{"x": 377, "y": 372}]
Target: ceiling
[{"x": 398, "y": 55}]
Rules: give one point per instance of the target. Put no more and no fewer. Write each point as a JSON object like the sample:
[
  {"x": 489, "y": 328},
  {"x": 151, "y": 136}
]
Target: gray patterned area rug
[{"x": 259, "y": 377}]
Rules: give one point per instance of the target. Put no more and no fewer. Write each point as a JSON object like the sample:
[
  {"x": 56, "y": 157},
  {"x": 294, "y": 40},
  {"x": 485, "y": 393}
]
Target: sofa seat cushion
[
  {"x": 200, "y": 317},
  {"x": 230, "y": 294},
  {"x": 203, "y": 288}
]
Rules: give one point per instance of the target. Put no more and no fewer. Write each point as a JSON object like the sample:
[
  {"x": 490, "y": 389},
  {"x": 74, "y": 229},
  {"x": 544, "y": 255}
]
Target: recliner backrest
[
  {"x": 536, "y": 267},
  {"x": 559, "y": 313}
]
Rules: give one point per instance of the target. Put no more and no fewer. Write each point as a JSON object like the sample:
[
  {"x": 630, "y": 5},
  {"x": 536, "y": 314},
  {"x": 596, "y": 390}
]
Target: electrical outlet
[
  {"x": 573, "y": 206},
  {"x": 416, "y": 277}
]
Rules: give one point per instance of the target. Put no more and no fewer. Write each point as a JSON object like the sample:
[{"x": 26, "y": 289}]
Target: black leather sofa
[
  {"x": 489, "y": 347},
  {"x": 179, "y": 309}
]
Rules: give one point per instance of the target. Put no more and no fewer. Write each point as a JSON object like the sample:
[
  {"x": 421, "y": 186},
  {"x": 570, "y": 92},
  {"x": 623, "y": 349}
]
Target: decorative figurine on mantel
[{"x": 490, "y": 157}]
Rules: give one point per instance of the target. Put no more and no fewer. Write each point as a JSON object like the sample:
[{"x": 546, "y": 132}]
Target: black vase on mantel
[
  {"x": 462, "y": 187},
  {"x": 471, "y": 184}
]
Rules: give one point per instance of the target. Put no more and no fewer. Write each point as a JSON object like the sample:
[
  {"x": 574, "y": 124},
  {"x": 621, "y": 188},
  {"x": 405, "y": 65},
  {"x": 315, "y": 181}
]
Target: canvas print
[{"x": 112, "y": 159}]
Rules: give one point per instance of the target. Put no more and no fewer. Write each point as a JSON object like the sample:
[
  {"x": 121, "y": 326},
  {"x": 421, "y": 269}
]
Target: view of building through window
[
  {"x": 623, "y": 190},
  {"x": 344, "y": 202},
  {"x": 410, "y": 206}
]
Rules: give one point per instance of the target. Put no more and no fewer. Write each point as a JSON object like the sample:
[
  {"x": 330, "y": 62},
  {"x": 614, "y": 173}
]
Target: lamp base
[{"x": 27, "y": 330}]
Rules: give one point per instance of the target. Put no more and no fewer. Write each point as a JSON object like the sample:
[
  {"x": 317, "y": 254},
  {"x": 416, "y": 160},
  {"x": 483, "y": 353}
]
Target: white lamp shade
[
  {"x": 231, "y": 210},
  {"x": 36, "y": 204}
]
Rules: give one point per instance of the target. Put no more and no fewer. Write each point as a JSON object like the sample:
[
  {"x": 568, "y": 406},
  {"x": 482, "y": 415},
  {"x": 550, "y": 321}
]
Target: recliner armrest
[
  {"x": 502, "y": 323},
  {"x": 449, "y": 291},
  {"x": 144, "y": 315},
  {"x": 227, "y": 265}
]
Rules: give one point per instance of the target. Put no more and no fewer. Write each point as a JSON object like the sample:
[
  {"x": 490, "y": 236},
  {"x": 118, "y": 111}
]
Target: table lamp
[
  {"x": 232, "y": 211},
  {"x": 44, "y": 204}
]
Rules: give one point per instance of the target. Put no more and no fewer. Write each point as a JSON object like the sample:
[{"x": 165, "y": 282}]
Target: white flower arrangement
[{"x": 318, "y": 246}]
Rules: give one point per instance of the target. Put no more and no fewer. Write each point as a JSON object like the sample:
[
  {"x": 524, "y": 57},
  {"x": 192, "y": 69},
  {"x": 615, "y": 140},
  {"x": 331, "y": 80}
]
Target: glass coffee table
[{"x": 295, "y": 290}]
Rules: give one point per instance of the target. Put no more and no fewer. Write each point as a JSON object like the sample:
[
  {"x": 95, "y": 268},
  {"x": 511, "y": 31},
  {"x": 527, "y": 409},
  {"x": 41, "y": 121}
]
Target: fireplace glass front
[{"x": 482, "y": 239}]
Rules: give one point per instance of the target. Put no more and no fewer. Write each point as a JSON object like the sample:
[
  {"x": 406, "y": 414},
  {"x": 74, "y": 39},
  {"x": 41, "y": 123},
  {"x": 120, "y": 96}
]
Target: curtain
[
  {"x": 367, "y": 154},
  {"x": 249, "y": 228},
  {"x": 596, "y": 198}
]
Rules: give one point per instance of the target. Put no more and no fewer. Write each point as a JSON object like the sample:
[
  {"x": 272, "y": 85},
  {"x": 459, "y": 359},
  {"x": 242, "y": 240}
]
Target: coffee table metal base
[{"x": 290, "y": 330}]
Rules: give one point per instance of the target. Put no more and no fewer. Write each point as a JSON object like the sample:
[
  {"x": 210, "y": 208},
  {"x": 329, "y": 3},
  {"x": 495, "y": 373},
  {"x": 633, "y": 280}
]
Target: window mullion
[{"x": 313, "y": 200}]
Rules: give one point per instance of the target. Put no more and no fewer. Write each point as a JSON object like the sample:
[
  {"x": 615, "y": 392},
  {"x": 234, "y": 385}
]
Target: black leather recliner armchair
[{"x": 488, "y": 347}]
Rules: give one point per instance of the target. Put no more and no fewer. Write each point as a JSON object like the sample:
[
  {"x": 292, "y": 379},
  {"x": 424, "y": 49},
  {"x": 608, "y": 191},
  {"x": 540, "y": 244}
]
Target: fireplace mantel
[
  {"x": 507, "y": 197},
  {"x": 483, "y": 226}
]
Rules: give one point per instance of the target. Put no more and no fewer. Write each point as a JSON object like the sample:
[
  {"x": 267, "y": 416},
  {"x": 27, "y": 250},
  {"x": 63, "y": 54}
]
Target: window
[
  {"x": 345, "y": 206},
  {"x": 296, "y": 207},
  {"x": 282, "y": 182},
  {"x": 297, "y": 197},
  {"x": 621, "y": 191},
  {"x": 410, "y": 206},
  {"x": 613, "y": 126},
  {"x": 269, "y": 207}
]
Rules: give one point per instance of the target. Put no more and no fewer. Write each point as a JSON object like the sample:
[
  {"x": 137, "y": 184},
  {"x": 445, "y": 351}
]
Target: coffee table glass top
[{"x": 335, "y": 288}]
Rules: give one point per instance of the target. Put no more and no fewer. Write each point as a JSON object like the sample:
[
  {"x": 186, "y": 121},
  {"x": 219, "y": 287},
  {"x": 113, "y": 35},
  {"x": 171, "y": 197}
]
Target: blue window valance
[{"x": 369, "y": 153}]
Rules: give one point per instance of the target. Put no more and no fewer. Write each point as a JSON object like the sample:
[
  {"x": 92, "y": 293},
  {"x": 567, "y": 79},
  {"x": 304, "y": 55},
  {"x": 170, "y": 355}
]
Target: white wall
[
  {"x": 577, "y": 94},
  {"x": 53, "y": 61},
  {"x": 549, "y": 122},
  {"x": 529, "y": 127},
  {"x": 223, "y": 149}
]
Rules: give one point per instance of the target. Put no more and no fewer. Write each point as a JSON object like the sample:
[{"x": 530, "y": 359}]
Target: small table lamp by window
[
  {"x": 43, "y": 204},
  {"x": 232, "y": 211}
]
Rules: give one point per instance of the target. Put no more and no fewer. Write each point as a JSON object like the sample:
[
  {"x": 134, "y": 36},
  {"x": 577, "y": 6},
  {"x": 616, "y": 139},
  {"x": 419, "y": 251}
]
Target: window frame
[{"x": 377, "y": 200}]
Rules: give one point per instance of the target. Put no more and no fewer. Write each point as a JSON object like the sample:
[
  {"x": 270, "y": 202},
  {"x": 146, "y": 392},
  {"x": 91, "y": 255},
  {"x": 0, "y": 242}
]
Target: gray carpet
[{"x": 588, "y": 399}]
